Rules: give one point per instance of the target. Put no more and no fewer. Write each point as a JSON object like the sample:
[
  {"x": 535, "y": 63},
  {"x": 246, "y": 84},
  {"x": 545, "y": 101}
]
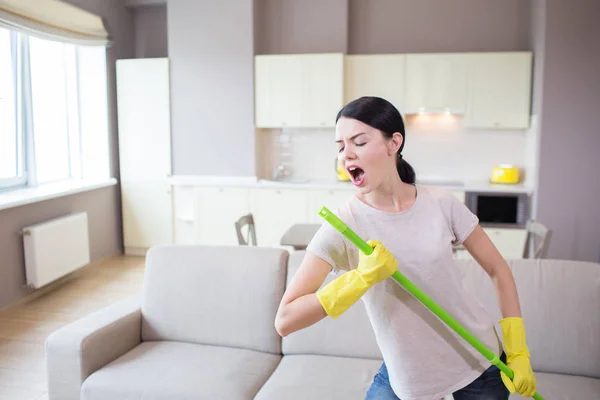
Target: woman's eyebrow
[{"x": 353, "y": 137}]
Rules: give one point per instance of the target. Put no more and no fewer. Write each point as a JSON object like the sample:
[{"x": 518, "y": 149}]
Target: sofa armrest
[{"x": 80, "y": 348}]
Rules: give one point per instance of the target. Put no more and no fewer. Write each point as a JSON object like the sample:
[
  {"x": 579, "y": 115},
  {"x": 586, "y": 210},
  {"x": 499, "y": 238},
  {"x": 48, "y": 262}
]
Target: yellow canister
[
  {"x": 342, "y": 175},
  {"x": 505, "y": 173}
]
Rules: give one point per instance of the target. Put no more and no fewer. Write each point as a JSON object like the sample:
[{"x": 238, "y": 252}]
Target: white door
[
  {"x": 380, "y": 75},
  {"x": 436, "y": 82},
  {"x": 275, "y": 210},
  {"x": 499, "y": 90},
  {"x": 145, "y": 151},
  {"x": 278, "y": 91},
  {"x": 217, "y": 210},
  {"x": 331, "y": 199}
]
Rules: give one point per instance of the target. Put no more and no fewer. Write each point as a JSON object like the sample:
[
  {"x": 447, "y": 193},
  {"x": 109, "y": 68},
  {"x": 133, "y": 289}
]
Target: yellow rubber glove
[
  {"x": 338, "y": 295},
  {"x": 517, "y": 358}
]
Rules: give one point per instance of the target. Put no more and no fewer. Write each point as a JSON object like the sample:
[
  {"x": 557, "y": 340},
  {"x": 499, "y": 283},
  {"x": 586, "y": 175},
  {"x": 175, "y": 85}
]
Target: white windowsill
[{"x": 20, "y": 197}]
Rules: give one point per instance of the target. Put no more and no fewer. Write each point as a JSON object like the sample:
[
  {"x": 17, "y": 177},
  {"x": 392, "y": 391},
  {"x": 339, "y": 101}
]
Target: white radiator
[{"x": 55, "y": 248}]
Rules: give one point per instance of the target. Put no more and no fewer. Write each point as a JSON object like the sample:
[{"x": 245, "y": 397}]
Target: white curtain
[{"x": 54, "y": 20}]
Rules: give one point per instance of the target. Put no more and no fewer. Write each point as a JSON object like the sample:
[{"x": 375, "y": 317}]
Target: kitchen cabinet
[
  {"x": 499, "y": 90},
  {"x": 436, "y": 82},
  {"x": 331, "y": 199},
  {"x": 278, "y": 91},
  {"x": 381, "y": 75},
  {"x": 323, "y": 89},
  {"x": 144, "y": 152},
  {"x": 510, "y": 242},
  {"x": 217, "y": 210},
  {"x": 302, "y": 90},
  {"x": 275, "y": 210}
]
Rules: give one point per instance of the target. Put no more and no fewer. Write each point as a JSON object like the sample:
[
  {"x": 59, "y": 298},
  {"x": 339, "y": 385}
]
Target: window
[
  {"x": 53, "y": 111},
  {"x": 12, "y": 157}
]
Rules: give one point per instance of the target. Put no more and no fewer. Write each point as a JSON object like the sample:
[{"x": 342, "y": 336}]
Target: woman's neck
[{"x": 392, "y": 195}]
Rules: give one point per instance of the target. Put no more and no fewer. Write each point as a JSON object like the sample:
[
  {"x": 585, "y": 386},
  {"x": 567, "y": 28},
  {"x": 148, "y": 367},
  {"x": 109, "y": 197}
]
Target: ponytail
[{"x": 405, "y": 170}]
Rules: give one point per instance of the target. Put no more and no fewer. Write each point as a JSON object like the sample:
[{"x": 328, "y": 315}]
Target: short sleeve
[
  {"x": 462, "y": 220},
  {"x": 329, "y": 245}
]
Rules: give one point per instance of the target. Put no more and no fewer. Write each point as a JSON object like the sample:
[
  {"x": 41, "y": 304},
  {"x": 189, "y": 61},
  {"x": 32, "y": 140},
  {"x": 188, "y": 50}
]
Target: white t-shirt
[{"x": 425, "y": 358}]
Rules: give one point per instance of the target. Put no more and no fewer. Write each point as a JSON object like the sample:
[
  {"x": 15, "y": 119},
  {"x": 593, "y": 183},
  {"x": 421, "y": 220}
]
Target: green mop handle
[{"x": 410, "y": 287}]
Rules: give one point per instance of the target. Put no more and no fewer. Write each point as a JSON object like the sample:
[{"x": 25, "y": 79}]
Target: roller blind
[{"x": 54, "y": 20}]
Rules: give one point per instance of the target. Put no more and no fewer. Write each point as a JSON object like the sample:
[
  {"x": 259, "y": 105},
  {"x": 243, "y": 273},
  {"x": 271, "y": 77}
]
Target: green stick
[{"x": 410, "y": 287}]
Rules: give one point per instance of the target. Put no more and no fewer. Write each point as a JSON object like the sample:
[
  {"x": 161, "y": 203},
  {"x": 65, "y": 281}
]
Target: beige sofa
[{"x": 203, "y": 329}]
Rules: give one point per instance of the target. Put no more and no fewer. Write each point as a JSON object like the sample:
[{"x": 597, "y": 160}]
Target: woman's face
[{"x": 365, "y": 153}]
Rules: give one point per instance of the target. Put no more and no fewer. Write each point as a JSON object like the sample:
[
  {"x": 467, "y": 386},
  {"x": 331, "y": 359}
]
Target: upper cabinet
[
  {"x": 491, "y": 90},
  {"x": 304, "y": 90},
  {"x": 380, "y": 75},
  {"x": 499, "y": 90},
  {"x": 436, "y": 83}
]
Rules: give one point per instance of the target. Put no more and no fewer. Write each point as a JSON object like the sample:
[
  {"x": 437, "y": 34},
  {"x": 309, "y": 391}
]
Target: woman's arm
[
  {"x": 485, "y": 253},
  {"x": 299, "y": 307}
]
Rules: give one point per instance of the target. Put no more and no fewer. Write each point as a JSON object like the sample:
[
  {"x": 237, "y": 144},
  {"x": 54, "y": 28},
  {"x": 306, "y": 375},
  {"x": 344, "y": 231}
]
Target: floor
[{"x": 24, "y": 329}]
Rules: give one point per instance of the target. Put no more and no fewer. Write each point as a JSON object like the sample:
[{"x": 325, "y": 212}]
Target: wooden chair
[
  {"x": 246, "y": 220},
  {"x": 537, "y": 233}
]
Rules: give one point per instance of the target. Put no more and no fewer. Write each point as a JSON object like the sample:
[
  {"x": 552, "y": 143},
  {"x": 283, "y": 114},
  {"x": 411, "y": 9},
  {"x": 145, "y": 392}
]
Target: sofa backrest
[
  {"x": 215, "y": 295},
  {"x": 350, "y": 335},
  {"x": 560, "y": 303}
]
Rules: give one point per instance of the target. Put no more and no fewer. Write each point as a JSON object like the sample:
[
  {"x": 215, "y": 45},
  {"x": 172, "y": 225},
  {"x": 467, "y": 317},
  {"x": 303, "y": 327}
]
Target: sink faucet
[{"x": 279, "y": 172}]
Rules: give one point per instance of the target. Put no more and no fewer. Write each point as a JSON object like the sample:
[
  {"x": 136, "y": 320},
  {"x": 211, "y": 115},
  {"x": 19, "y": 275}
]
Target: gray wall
[
  {"x": 211, "y": 50},
  {"x": 420, "y": 26},
  {"x": 103, "y": 205},
  {"x": 569, "y": 185},
  {"x": 150, "y": 31},
  {"x": 307, "y": 26}
]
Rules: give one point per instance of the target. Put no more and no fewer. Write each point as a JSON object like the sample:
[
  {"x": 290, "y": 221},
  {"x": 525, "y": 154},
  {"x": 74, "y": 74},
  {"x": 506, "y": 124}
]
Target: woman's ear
[{"x": 395, "y": 142}]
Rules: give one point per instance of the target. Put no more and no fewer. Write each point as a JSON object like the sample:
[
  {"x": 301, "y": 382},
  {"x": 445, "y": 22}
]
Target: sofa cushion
[
  {"x": 565, "y": 387},
  {"x": 559, "y": 302},
  {"x": 217, "y": 295},
  {"x": 350, "y": 335},
  {"x": 180, "y": 371},
  {"x": 305, "y": 377}
]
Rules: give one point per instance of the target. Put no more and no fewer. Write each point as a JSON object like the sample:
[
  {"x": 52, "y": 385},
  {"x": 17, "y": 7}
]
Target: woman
[{"x": 412, "y": 227}]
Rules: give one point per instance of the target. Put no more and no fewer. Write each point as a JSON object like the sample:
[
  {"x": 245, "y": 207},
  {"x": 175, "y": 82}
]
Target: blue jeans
[{"x": 488, "y": 386}]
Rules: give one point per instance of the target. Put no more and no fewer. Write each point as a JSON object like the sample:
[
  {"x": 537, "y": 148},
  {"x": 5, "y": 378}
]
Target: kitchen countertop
[{"x": 332, "y": 184}]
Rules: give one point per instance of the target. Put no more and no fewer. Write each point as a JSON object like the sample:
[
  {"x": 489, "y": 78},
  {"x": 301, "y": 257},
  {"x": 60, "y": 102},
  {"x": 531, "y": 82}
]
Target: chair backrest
[
  {"x": 350, "y": 335},
  {"x": 214, "y": 295},
  {"x": 537, "y": 241},
  {"x": 246, "y": 220},
  {"x": 559, "y": 302}
]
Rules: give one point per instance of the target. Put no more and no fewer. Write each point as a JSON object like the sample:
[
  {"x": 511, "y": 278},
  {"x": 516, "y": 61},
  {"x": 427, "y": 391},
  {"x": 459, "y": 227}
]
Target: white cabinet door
[
  {"x": 275, "y": 210},
  {"x": 145, "y": 151},
  {"x": 436, "y": 82},
  {"x": 331, "y": 199},
  {"x": 499, "y": 90},
  {"x": 217, "y": 210},
  {"x": 147, "y": 215},
  {"x": 298, "y": 90},
  {"x": 278, "y": 91},
  {"x": 323, "y": 89},
  {"x": 380, "y": 75},
  {"x": 510, "y": 242}
]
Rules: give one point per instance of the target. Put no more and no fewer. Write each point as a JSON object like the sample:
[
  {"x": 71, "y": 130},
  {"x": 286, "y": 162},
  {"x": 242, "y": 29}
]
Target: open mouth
[{"x": 357, "y": 174}]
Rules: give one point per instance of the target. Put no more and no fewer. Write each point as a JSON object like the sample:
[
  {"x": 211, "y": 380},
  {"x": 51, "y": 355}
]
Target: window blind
[{"x": 54, "y": 20}]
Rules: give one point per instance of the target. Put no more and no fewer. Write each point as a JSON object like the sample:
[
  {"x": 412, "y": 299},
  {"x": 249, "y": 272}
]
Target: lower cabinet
[
  {"x": 319, "y": 198},
  {"x": 207, "y": 215},
  {"x": 275, "y": 210},
  {"x": 509, "y": 242},
  {"x": 216, "y": 211}
]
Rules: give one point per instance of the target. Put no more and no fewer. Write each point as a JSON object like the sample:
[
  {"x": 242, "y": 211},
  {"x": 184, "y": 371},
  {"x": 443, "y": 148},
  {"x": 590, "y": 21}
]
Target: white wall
[
  {"x": 211, "y": 50},
  {"x": 436, "y": 146}
]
